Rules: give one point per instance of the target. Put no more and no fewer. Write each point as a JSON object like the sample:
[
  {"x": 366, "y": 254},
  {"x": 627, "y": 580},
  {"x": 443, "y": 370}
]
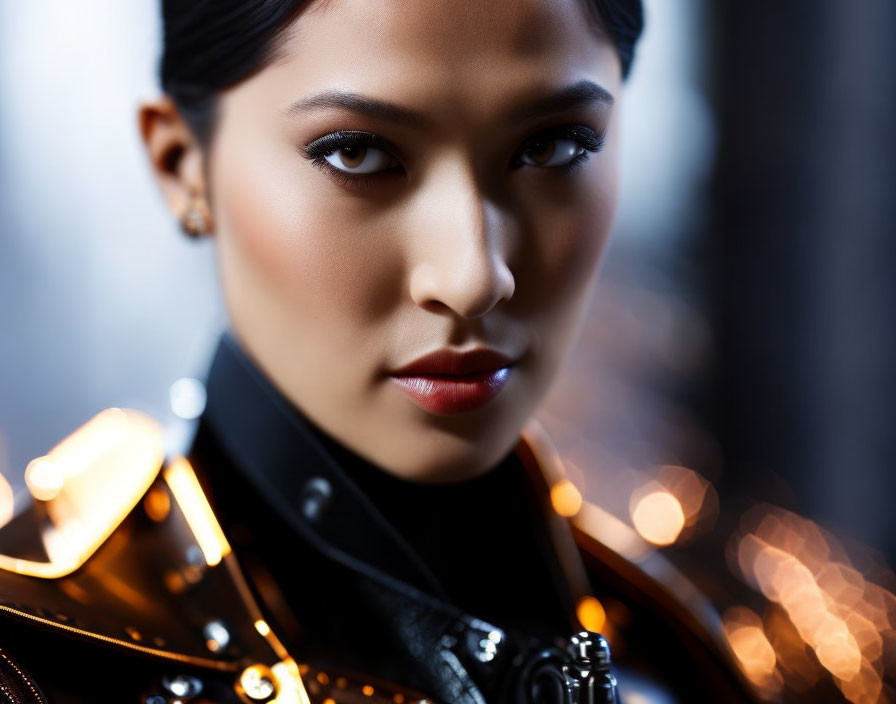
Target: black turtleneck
[
  {"x": 483, "y": 538},
  {"x": 481, "y": 545}
]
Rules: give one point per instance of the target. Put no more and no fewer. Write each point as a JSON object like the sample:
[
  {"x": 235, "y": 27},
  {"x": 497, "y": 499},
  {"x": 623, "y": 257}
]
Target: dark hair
[{"x": 211, "y": 45}]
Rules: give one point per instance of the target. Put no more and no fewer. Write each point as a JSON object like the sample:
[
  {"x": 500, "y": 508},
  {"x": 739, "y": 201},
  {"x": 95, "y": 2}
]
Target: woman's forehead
[
  {"x": 524, "y": 23},
  {"x": 441, "y": 54}
]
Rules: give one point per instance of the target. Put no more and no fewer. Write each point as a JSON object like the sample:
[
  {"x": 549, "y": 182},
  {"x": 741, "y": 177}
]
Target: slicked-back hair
[{"x": 211, "y": 45}]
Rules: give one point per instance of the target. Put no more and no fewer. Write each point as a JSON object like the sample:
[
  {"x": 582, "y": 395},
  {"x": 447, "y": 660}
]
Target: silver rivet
[
  {"x": 487, "y": 648},
  {"x": 187, "y": 397},
  {"x": 182, "y": 686},
  {"x": 216, "y": 635},
  {"x": 591, "y": 647},
  {"x": 317, "y": 495},
  {"x": 257, "y": 683}
]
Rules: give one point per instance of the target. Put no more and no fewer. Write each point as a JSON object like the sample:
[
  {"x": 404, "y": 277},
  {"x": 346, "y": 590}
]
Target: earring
[{"x": 196, "y": 220}]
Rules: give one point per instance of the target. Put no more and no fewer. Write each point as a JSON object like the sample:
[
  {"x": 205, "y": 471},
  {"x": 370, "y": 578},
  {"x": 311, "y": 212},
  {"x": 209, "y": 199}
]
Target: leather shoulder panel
[
  {"x": 619, "y": 557},
  {"x": 120, "y": 549},
  {"x": 81, "y": 491}
]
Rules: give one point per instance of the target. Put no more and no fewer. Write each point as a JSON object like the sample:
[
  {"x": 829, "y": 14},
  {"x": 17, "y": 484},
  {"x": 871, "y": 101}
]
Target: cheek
[
  {"x": 285, "y": 246},
  {"x": 569, "y": 228}
]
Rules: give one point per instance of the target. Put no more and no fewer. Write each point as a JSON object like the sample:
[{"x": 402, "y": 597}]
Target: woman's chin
[{"x": 435, "y": 455}]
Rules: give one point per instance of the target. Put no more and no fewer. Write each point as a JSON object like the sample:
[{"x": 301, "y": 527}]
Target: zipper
[{"x": 15, "y": 686}]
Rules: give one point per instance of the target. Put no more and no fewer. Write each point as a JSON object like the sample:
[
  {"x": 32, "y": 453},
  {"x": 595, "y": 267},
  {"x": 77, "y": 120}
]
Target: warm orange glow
[
  {"x": 836, "y": 648},
  {"x": 329, "y": 700},
  {"x": 591, "y": 614},
  {"x": 281, "y": 681},
  {"x": 865, "y": 688},
  {"x": 44, "y": 479},
  {"x": 199, "y": 515},
  {"x": 7, "y": 502},
  {"x": 79, "y": 452},
  {"x": 88, "y": 484},
  {"x": 754, "y": 652},
  {"x": 290, "y": 689},
  {"x": 697, "y": 496},
  {"x": 367, "y": 690},
  {"x": 786, "y": 580},
  {"x": 565, "y": 498},
  {"x": 262, "y": 627},
  {"x": 398, "y": 698},
  {"x": 800, "y": 669},
  {"x": 612, "y": 532},
  {"x": 744, "y": 632},
  {"x": 658, "y": 517},
  {"x": 832, "y": 607},
  {"x": 292, "y": 666},
  {"x": 323, "y": 678},
  {"x": 157, "y": 504},
  {"x": 258, "y": 682}
]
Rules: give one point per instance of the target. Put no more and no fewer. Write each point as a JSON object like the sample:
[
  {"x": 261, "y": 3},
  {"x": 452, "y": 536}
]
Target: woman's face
[{"x": 411, "y": 178}]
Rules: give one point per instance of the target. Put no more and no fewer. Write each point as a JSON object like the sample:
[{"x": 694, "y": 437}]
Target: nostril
[{"x": 468, "y": 289}]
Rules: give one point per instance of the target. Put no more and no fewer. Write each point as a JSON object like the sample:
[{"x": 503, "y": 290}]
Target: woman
[{"x": 409, "y": 202}]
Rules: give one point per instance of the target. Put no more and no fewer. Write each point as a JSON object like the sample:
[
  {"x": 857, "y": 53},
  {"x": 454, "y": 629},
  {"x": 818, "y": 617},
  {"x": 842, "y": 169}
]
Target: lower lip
[{"x": 453, "y": 394}]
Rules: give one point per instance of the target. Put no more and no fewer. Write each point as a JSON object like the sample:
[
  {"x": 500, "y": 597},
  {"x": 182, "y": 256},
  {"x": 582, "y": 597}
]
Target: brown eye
[
  {"x": 556, "y": 151},
  {"x": 359, "y": 159},
  {"x": 541, "y": 152},
  {"x": 352, "y": 157}
]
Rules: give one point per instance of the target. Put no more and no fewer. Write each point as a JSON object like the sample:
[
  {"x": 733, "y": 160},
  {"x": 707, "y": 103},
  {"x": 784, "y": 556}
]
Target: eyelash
[{"x": 588, "y": 140}]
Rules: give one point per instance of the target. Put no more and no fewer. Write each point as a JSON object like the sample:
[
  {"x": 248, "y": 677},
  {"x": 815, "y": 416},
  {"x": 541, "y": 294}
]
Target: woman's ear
[{"x": 177, "y": 162}]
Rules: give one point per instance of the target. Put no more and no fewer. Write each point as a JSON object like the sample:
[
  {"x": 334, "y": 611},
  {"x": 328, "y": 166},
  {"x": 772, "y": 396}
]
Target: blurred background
[{"x": 729, "y": 404}]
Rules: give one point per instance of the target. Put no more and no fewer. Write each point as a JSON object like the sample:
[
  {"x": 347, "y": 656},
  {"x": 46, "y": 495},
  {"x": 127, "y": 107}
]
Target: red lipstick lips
[{"x": 450, "y": 382}]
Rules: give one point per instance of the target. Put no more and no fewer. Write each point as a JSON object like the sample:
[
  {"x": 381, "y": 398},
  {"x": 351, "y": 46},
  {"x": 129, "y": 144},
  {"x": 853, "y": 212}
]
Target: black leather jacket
[{"x": 260, "y": 570}]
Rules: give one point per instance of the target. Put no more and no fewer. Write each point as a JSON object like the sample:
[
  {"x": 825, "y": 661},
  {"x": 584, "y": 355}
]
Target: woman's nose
[{"x": 462, "y": 260}]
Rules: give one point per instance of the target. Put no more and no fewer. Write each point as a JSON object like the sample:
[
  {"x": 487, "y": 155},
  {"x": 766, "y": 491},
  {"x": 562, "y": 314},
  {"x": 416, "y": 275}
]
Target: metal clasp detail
[{"x": 587, "y": 678}]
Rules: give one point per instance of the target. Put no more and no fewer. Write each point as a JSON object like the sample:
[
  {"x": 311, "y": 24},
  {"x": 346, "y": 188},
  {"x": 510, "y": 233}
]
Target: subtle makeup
[{"x": 410, "y": 203}]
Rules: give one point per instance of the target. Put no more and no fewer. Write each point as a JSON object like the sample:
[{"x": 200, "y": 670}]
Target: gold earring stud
[{"x": 196, "y": 220}]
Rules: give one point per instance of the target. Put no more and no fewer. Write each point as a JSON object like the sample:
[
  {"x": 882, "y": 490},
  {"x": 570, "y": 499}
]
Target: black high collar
[
  {"x": 467, "y": 545},
  {"x": 293, "y": 467},
  {"x": 352, "y": 587}
]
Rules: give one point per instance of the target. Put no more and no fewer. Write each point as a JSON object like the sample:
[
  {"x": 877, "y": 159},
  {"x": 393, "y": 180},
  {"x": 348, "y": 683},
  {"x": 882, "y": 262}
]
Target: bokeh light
[
  {"x": 657, "y": 515},
  {"x": 565, "y": 498},
  {"x": 7, "y": 501},
  {"x": 835, "y": 610}
]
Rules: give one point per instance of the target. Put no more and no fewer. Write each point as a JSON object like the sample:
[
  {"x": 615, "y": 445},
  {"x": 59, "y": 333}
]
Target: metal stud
[
  {"x": 257, "y": 683},
  {"x": 488, "y": 645},
  {"x": 182, "y": 686},
  {"x": 588, "y": 678},
  {"x": 217, "y": 636},
  {"x": 317, "y": 495},
  {"x": 590, "y": 646}
]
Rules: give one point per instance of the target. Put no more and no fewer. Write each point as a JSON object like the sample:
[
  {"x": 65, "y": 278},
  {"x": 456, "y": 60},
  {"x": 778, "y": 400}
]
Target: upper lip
[{"x": 447, "y": 362}]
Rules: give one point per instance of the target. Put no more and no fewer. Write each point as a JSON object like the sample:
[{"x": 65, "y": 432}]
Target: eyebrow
[
  {"x": 580, "y": 94},
  {"x": 363, "y": 105},
  {"x": 577, "y": 95}
]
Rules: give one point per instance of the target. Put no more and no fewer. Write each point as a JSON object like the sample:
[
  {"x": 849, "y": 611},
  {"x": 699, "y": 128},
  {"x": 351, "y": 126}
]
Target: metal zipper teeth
[
  {"x": 10, "y": 692},
  {"x": 188, "y": 659}
]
